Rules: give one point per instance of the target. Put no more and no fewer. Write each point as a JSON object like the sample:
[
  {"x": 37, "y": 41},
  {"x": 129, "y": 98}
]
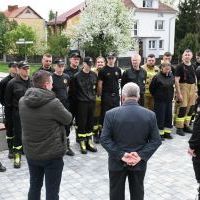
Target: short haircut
[
  {"x": 48, "y": 55},
  {"x": 165, "y": 64},
  {"x": 131, "y": 90},
  {"x": 151, "y": 56},
  {"x": 198, "y": 53},
  {"x": 167, "y": 54},
  {"x": 136, "y": 55},
  {"x": 40, "y": 78},
  {"x": 187, "y": 51},
  {"x": 101, "y": 57}
]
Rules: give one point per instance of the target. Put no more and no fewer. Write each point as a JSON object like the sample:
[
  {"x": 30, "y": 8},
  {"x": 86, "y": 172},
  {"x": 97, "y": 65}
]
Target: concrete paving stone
[{"x": 169, "y": 175}]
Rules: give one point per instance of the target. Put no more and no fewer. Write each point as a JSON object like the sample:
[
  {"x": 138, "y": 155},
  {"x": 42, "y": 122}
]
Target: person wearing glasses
[
  {"x": 108, "y": 85},
  {"x": 46, "y": 63}
]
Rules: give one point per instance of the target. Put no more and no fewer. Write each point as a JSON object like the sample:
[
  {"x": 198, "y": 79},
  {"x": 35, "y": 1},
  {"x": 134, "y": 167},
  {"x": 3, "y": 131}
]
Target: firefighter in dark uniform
[
  {"x": 162, "y": 90},
  {"x": 15, "y": 89},
  {"x": 85, "y": 83},
  {"x": 108, "y": 85},
  {"x": 71, "y": 70},
  {"x": 13, "y": 68},
  {"x": 46, "y": 63},
  {"x": 60, "y": 87},
  {"x": 186, "y": 92},
  {"x": 137, "y": 75}
]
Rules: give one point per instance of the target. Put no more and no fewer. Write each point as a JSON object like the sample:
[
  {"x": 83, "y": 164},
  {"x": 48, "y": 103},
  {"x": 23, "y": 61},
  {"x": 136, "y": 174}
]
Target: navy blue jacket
[{"x": 130, "y": 128}]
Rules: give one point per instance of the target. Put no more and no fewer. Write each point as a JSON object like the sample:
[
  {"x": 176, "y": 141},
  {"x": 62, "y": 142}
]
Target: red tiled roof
[
  {"x": 129, "y": 4},
  {"x": 65, "y": 16},
  {"x": 17, "y": 11}
]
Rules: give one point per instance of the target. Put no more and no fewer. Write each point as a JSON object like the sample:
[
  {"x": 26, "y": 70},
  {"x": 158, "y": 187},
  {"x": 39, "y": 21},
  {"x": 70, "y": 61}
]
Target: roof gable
[{"x": 15, "y": 11}]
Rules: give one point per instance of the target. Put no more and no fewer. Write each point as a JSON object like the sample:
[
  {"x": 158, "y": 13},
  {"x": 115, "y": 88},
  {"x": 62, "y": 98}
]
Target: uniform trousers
[
  {"x": 117, "y": 184},
  {"x": 85, "y": 118},
  {"x": 108, "y": 101}
]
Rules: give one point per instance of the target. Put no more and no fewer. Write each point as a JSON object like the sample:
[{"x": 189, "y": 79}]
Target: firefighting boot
[
  {"x": 168, "y": 136},
  {"x": 90, "y": 145},
  {"x": 83, "y": 147},
  {"x": 179, "y": 131},
  {"x": 69, "y": 151},
  {"x": 10, "y": 148},
  {"x": 2, "y": 168},
  {"x": 17, "y": 160},
  {"x": 187, "y": 129}
]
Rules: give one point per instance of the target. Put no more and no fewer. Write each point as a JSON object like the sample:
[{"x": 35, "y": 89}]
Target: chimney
[{"x": 11, "y": 8}]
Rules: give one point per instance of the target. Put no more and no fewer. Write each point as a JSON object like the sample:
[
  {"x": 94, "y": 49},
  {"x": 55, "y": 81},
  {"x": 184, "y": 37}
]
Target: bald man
[{"x": 137, "y": 75}]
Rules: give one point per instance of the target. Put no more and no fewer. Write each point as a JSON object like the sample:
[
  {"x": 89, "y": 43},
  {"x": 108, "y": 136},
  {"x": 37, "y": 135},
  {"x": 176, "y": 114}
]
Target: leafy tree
[
  {"x": 21, "y": 31},
  {"x": 190, "y": 41},
  {"x": 5, "y": 26},
  {"x": 105, "y": 25},
  {"x": 58, "y": 45},
  {"x": 52, "y": 15},
  {"x": 187, "y": 21}
]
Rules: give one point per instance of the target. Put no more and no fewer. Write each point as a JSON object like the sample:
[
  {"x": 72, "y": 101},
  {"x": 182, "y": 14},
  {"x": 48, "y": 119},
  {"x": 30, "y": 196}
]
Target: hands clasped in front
[{"x": 131, "y": 158}]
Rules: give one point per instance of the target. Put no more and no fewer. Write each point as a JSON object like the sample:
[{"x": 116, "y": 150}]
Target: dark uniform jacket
[
  {"x": 43, "y": 118},
  {"x": 71, "y": 72},
  {"x": 15, "y": 89},
  {"x": 197, "y": 67},
  {"x": 130, "y": 128},
  {"x": 110, "y": 77},
  {"x": 85, "y": 85},
  {"x": 3, "y": 85},
  {"x": 135, "y": 76},
  {"x": 60, "y": 87},
  {"x": 162, "y": 87},
  {"x": 194, "y": 141}
]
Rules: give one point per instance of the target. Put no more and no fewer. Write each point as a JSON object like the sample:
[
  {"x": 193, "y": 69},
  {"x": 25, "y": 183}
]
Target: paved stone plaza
[{"x": 169, "y": 176}]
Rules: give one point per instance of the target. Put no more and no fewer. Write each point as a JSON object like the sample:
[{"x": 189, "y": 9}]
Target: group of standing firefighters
[{"x": 94, "y": 88}]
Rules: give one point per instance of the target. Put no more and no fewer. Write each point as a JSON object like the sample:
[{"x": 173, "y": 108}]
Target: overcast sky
[{"x": 42, "y": 7}]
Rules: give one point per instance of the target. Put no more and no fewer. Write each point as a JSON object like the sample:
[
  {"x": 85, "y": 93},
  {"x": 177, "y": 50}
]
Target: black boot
[
  {"x": 10, "y": 148},
  {"x": 69, "y": 151},
  {"x": 2, "y": 168},
  {"x": 168, "y": 136},
  {"x": 90, "y": 145},
  {"x": 17, "y": 160},
  {"x": 83, "y": 147},
  {"x": 187, "y": 129},
  {"x": 179, "y": 131}
]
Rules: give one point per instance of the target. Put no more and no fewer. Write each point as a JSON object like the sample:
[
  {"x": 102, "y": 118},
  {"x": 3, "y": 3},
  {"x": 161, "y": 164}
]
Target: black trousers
[
  {"x": 163, "y": 111},
  {"x": 17, "y": 142},
  {"x": 196, "y": 166},
  {"x": 141, "y": 100},
  {"x": 117, "y": 184},
  {"x": 85, "y": 117},
  {"x": 108, "y": 101},
  {"x": 8, "y": 122}
]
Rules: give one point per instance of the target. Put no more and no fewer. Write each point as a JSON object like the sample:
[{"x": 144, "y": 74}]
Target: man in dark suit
[{"x": 130, "y": 135}]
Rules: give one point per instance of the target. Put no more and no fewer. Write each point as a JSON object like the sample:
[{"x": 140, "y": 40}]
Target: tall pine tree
[{"x": 188, "y": 20}]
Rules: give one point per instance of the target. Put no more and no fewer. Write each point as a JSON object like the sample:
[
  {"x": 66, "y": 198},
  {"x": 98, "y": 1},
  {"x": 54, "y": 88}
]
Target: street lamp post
[{"x": 22, "y": 41}]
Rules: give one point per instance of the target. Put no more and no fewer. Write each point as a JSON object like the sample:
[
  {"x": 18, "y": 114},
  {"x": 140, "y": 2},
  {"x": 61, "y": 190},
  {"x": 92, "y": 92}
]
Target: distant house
[
  {"x": 154, "y": 27},
  {"x": 67, "y": 20},
  {"x": 28, "y": 16}
]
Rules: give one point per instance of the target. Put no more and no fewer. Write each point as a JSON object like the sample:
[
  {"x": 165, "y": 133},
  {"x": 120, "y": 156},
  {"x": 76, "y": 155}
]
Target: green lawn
[{"x": 4, "y": 67}]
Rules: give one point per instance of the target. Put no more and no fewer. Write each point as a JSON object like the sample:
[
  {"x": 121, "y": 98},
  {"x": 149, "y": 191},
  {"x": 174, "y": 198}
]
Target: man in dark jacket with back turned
[
  {"x": 43, "y": 118},
  {"x": 130, "y": 135}
]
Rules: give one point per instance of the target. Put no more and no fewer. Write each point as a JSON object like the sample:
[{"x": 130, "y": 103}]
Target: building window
[
  {"x": 161, "y": 44},
  {"x": 152, "y": 44},
  {"x": 135, "y": 28},
  {"x": 159, "y": 25},
  {"x": 148, "y": 3}
]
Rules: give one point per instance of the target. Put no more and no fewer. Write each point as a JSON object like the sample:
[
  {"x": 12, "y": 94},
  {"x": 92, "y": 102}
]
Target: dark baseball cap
[
  {"x": 88, "y": 60},
  {"x": 75, "y": 55},
  {"x": 23, "y": 64},
  {"x": 13, "y": 64},
  {"x": 60, "y": 62},
  {"x": 111, "y": 54}
]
